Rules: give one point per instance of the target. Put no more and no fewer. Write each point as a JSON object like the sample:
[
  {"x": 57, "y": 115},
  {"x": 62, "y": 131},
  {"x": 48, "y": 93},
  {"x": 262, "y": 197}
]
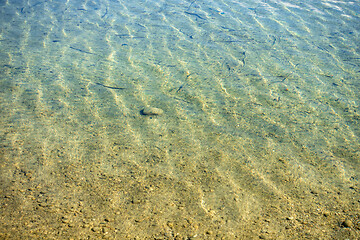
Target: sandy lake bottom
[{"x": 179, "y": 119}]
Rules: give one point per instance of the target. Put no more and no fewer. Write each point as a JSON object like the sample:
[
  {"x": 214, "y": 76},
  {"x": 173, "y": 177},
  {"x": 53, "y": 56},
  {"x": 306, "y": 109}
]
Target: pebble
[
  {"x": 96, "y": 229},
  {"x": 152, "y": 111},
  {"x": 347, "y": 223}
]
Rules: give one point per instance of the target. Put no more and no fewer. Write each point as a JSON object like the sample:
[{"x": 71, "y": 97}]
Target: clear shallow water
[{"x": 259, "y": 136}]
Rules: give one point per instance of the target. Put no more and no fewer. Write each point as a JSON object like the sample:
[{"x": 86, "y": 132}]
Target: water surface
[{"x": 259, "y": 136}]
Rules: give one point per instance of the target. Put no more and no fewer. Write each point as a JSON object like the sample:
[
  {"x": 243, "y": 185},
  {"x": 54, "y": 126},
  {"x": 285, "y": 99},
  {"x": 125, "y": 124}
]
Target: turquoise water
[{"x": 259, "y": 137}]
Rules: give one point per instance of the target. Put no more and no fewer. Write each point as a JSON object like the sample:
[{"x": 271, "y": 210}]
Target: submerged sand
[{"x": 258, "y": 136}]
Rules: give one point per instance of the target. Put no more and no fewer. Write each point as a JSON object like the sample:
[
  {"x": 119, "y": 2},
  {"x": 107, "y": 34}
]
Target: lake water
[{"x": 259, "y": 136}]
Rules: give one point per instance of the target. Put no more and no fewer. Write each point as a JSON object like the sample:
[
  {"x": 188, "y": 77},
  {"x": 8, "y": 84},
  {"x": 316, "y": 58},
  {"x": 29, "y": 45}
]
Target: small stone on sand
[
  {"x": 347, "y": 223},
  {"x": 152, "y": 111}
]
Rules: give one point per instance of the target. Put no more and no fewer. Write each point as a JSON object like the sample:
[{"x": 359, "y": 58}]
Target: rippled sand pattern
[{"x": 259, "y": 137}]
